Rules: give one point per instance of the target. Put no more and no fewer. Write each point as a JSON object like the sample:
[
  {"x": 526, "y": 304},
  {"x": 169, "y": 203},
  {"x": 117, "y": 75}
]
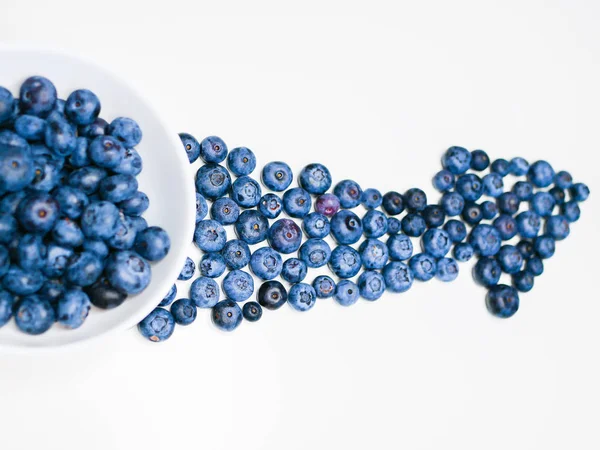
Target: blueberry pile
[
  {"x": 534, "y": 213},
  {"x": 72, "y": 233}
]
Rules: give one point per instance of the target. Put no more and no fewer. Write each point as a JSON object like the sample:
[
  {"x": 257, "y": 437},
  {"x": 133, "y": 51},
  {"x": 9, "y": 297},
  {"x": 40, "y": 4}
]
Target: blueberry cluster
[
  {"x": 71, "y": 231},
  {"x": 463, "y": 224}
]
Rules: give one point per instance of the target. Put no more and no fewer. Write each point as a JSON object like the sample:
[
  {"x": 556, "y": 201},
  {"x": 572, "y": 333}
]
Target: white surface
[
  {"x": 172, "y": 203},
  {"x": 377, "y": 93}
]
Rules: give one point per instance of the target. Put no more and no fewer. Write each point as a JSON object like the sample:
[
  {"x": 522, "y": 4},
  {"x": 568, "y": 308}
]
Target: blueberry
[
  {"x": 393, "y": 203},
  {"x": 82, "y": 107},
  {"x": 349, "y": 193},
  {"x": 202, "y": 207},
  {"x": 470, "y": 186},
  {"x": 83, "y": 269},
  {"x": 16, "y": 163},
  {"x": 137, "y": 223},
  {"x": 415, "y": 200},
  {"x": 373, "y": 253},
  {"x": 479, "y": 160},
  {"x": 188, "y": 270},
  {"x": 98, "y": 127},
  {"x": 86, "y": 179},
  {"x": 168, "y": 299},
  {"x": 22, "y": 282},
  {"x": 447, "y": 269},
  {"x": 371, "y": 198},
  {"x": 457, "y": 160},
  {"x": 543, "y": 203},
  {"x": 324, "y": 286},
  {"x": 157, "y": 326},
  {"x": 316, "y": 225},
  {"x": 434, "y": 216},
  {"x": 73, "y": 308},
  {"x": 52, "y": 290},
  {"x": 106, "y": 152},
  {"x": 128, "y": 272},
  {"x": 238, "y": 285},
  {"x": 236, "y": 254},
  {"x": 4, "y": 260},
  {"x": 67, "y": 233},
  {"x": 191, "y": 146},
  {"x": 571, "y": 211},
  {"x": 526, "y": 249},
  {"x": 413, "y": 225},
  {"x": 506, "y": 226},
  {"x": 502, "y": 301},
  {"x": 7, "y": 105},
  {"x": 38, "y": 212},
  {"x": 210, "y": 236},
  {"x": 510, "y": 259},
  {"x": 346, "y": 293},
  {"x": 47, "y": 174},
  {"x": 302, "y": 297},
  {"x": 523, "y": 281},
  {"x": 37, "y": 96},
  {"x": 523, "y": 190},
  {"x": 131, "y": 164},
  {"x": 272, "y": 295},
  {"x": 398, "y": 276},
  {"x": 327, "y": 204},
  {"x": 563, "y": 180},
  {"x": 184, "y": 311},
  {"x": 136, "y": 205},
  {"x": 213, "y": 181},
  {"x": 315, "y": 253},
  {"x": 153, "y": 243},
  {"x": 125, "y": 234},
  {"x": 541, "y": 174},
  {"x": 126, "y": 131},
  {"x": 535, "y": 266},
  {"x": 374, "y": 224},
  {"x": 487, "y": 271},
  {"x": 212, "y": 265},
  {"x": 400, "y": 247},
  {"x": 241, "y": 161},
  {"x": 8, "y": 205},
  {"x": 226, "y": 315},
  {"x": 225, "y": 211},
  {"x": 294, "y": 270},
  {"x": 252, "y": 311},
  {"x": 493, "y": 185},
  {"x": 296, "y": 202},
  {"x": 485, "y": 240},
  {"x": 270, "y": 206},
  {"x": 315, "y": 178},
  {"x": 34, "y": 315},
  {"x": 118, "y": 188},
  {"x": 345, "y": 262},
  {"x": 501, "y": 167},
  {"x": 508, "y": 203},
  {"x": 7, "y": 300},
  {"x": 99, "y": 220},
  {"x": 453, "y": 203},
  {"x": 558, "y": 194},
  {"x": 252, "y": 227},
  {"x": 346, "y": 227},
  {"x": 213, "y": 149},
  {"x": 30, "y": 252},
  {"x": 30, "y": 128},
  {"x": 371, "y": 285},
  {"x": 528, "y": 224},
  {"x": 579, "y": 192},
  {"x": 444, "y": 181},
  {"x": 463, "y": 252},
  {"x": 544, "y": 246},
  {"x": 285, "y": 236},
  {"x": 394, "y": 226},
  {"x": 518, "y": 166},
  {"x": 56, "y": 260},
  {"x": 204, "y": 292},
  {"x": 436, "y": 243},
  {"x": 266, "y": 263},
  {"x": 104, "y": 296},
  {"x": 557, "y": 227},
  {"x": 456, "y": 230},
  {"x": 277, "y": 176},
  {"x": 71, "y": 201},
  {"x": 246, "y": 192}
]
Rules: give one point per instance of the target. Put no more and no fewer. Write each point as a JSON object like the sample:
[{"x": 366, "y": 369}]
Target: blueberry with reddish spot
[
  {"x": 349, "y": 193},
  {"x": 285, "y": 236},
  {"x": 270, "y": 205}
]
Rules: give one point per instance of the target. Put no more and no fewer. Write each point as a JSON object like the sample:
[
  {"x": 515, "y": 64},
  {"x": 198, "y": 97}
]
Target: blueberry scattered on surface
[
  {"x": 324, "y": 286},
  {"x": 371, "y": 285},
  {"x": 302, "y": 297},
  {"x": 349, "y": 193},
  {"x": 272, "y": 295},
  {"x": 294, "y": 270},
  {"x": 502, "y": 301},
  {"x": 252, "y": 311},
  {"x": 315, "y": 178},
  {"x": 241, "y": 161},
  {"x": 371, "y": 198},
  {"x": 184, "y": 311},
  {"x": 277, "y": 176},
  {"x": 157, "y": 326},
  {"x": 227, "y": 315},
  {"x": 346, "y": 293}
]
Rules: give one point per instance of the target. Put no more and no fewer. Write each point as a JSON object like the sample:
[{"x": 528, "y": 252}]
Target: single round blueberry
[
  {"x": 413, "y": 224},
  {"x": 168, "y": 299},
  {"x": 98, "y": 127},
  {"x": 493, "y": 185},
  {"x": 204, "y": 292},
  {"x": 201, "y": 207},
  {"x": 371, "y": 198},
  {"x": 349, "y": 193},
  {"x": 302, "y": 297},
  {"x": 236, "y": 254},
  {"x": 125, "y": 234},
  {"x": 188, "y": 270},
  {"x": 535, "y": 266},
  {"x": 470, "y": 186},
  {"x": 398, "y": 276},
  {"x": 213, "y": 149},
  {"x": 252, "y": 311},
  {"x": 485, "y": 239},
  {"x": 400, "y": 247},
  {"x": 184, "y": 311},
  {"x": 373, "y": 253},
  {"x": 315, "y": 178},
  {"x": 457, "y": 160},
  {"x": 38, "y": 212},
  {"x": 270, "y": 205},
  {"x": 266, "y": 263},
  {"x": 541, "y": 174},
  {"x": 104, "y": 296},
  {"x": 48, "y": 174},
  {"x": 523, "y": 190},
  {"x": 518, "y": 166},
  {"x": 118, "y": 188},
  {"x": 453, "y": 203},
  {"x": 544, "y": 246},
  {"x": 371, "y": 285},
  {"x": 153, "y": 243},
  {"x": 7, "y": 105},
  {"x": 316, "y": 225},
  {"x": 191, "y": 146},
  {"x": 393, "y": 203},
  {"x": 277, "y": 176},
  {"x": 508, "y": 203},
  {"x": 444, "y": 181},
  {"x": 157, "y": 326},
  {"x": 212, "y": 265},
  {"x": 17, "y": 169},
  {"x": 487, "y": 271},
  {"x": 315, "y": 253},
  {"x": 324, "y": 286},
  {"x": 528, "y": 224},
  {"x": 557, "y": 227},
  {"x": 506, "y": 226},
  {"x": 225, "y": 211},
  {"x": 346, "y": 293},
  {"x": 7, "y": 300},
  {"x": 210, "y": 236},
  {"x": 463, "y": 252},
  {"x": 83, "y": 269},
  {"x": 126, "y": 131},
  {"x": 394, "y": 226},
  {"x": 30, "y": 128},
  {"x": 558, "y": 194},
  {"x": 526, "y": 249},
  {"x": 374, "y": 224},
  {"x": 127, "y": 272},
  {"x": 106, "y": 151},
  {"x": 294, "y": 270},
  {"x": 67, "y": 233},
  {"x": 8, "y": 205},
  {"x": 502, "y": 301},
  {"x": 213, "y": 181},
  {"x": 22, "y": 282},
  {"x": 501, "y": 167},
  {"x": 543, "y": 203},
  {"x": 579, "y": 192},
  {"x": 285, "y": 236},
  {"x": 296, "y": 202},
  {"x": 436, "y": 243},
  {"x": 241, "y": 161},
  {"x": 34, "y": 315},
  {"x": 82, "y": 107},
  {"x": 563, "y": 180},
  {"x": 447, "y": 270},
  {"x": 415, "y": 200},
  {"x": 327, "y": 204},
  {"x": 510, "y": 259},
  {"x": 86, "y": 179},
  {"x": 434, "y": 216},
  {"x": 272, "y": 295},
  {"x": 73, "y": 308},
  {"x": 346, "y": 227},
  {"x": 252, "y": 227},
  {"x": 56, "y": 260},
  {"x": 99, "y": 220},
  {"x": 246, "y": 192},
  {"x": 71, "y": 201},
  {"x": 345, "y": 262},
  {"x": 29, "y": 253},
  {"x": 479, "y": 160},
  {"x": 571, "y": 211},
  {"x": 456, "y": 230},
  {"x": 523, "y": 281},
  {"x": 238, "y": 285},
  {"x": 37, "y": 96},
  {"x": 131, "y": 164}
]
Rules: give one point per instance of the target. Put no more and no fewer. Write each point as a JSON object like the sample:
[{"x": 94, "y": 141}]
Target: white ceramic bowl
[{"x": 166, "y": 178}]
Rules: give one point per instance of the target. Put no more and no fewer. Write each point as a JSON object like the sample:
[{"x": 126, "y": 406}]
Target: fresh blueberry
[
  {"x": 447, "y": 269},
  {"x": 118, "y": 188},
  {"x": 37, "y": 96},
  {"x": 285, "y": 236},
  {"x": 506, "y": 226},
  {"x": 444, "y": 181},
  {"x": 210, "y": 236},
  {"x": 415, "y": 200},
  {"x": 502, "y": 301},
  {"x": 436, "y": 243},
  {"x": 52, "y": 290},
  {"x": 523, "y": 190},
  {"x": 302, "y": 296},
  {"x": 535, "y": 266},
  {"x": 508, "y": 203},
  {"x": 34, "y": 315},
  {"x": 225, "y": 211},
  {"x": 38, "y": 212},
  {"x": 371, "y": 285},
  {"x": 128, "y": 272},
  {"x": 487, "y": 271},
  {"x": 346, "y": 293},
  {"x": 463, "y": 252},
  {"x": 373, "y": 253},
  {"x": 212, "y": 265},
  {"x": 7, "y": 300},
  {"x": 294, "y": 270},
  {"x": 541, "y": 174},
  {"x": 82, "y": 107},
  {"x": 400, "y": 247},
  {"x": 470, "y": 187},
  {"x": 434, "y": 216},
  {"x": 131, "y": 164},
  {"x": 7, "y": 105},
  {"x": 518, "y": 166},
  {"x": 398, "y": 276},
  {"x": 270, "y": 206},
  {"x": 30, "y": 128},
  {"x": 371, "y": 198},
  {"x": 136, "y": 205},
  {"x": 98, "y": 127},
  {"x": 557, "y": 227},
  {"x": 191, "y": 146},
  {"x": 349, "y": 193},
  {"x": 393, "y": 203},
  {"x": 184, "y": 311},
  {"x": 571, "y": 211},
  {"x": 346, "y": 227},
  {"x": 213, "y": 149},
  {"x": 168, "y": 299},
  {"x": 22, "y": 282},
  {"x": 272, "y": 295},
  {"x": 157, "y": 326},
  {"x": 479, "y": 160},
  {"x": 241, "y": 161},
  {"x": 188, "y": 270},
  {"x": 324, "y": 286},
  {"x": 485, "y": 239},
  {"x": 126, "y": 131},
  {"x": 105, "y": 151},
  {"x": 67, "y": 233},
  {"x": 99, "y": 220},
  {"x": 374, "y": 224},
  {"x": 201, "y": 207},
  {"x": 579, "y": 192},
  {"x": 423, "y": 267},
  {"x": 8, "y": 205},
  {"x": 252, "y": 311},
  {"x": 277, "y": 176},
  {"x": 453, "y": 203},
  {"x": 104, "y": 296},
  {"x": 296, "y": 202},
  {"x": 493, "y": 185},
  {"x": 125, "y": 234},
  {"x": 456, "y": 230},
  {"x": 153, "y": 243},
  {"x": 238, "y": 285},
  {"x": 73, "y": 308},
  {"x": 345, "y": 262},
  {"x": 204, "y": 292},
  {"x": 558, "y": 194},
  {"x": 16, "y": 163},
  {"x": 30, "y": 252},
  {"x": 315, "y": 253},
  {"x": 266, "y": 263},
  {"x": 56, "y": 260},
  {"x": 413, "y": 225},
  {"x": 83, "y": 269},
  {"x": 226, "y": 315},
  {"x": 316, "y": 225},
  {"x": 528, "y": 224},
  {"x": 543, "y": 203},
  {"x": 71, "y": 201},
  {"x": 523, "y": 281},
  {"x": 563, "y": 180},
  {"x": 526, "y": 249},
  {"x": 86, "y": 179},
  {"x": 315, "y": 178},
  {"x": 394, "y": 226},
  {"x": 252, "y": 227},
  {"x": 246, "y": 192},
  {"x": 510, "y": 259},
  {"x": 47, "y": 174},
  {"x": 544, "y": 246},
  {"x": 236, "y": 254},
  {"x": 501, "y": 167},
  {"x": 327, "y": 204},
  {"x": 457, "y": 160},
  {"x": 213, "y": 181},
  {"x": 138, "y": 223}
]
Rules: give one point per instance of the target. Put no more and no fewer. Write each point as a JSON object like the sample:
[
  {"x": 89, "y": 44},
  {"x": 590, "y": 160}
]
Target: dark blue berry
[
  {"x": 22, "y": 282},
  {"x": 225, "y": 211},
  {"x": 557, "y": 227},
  {"x": 470, "y": 186},
  {"x": 526, "y": 249},
  {"x": 118, "y": 188},
  {"x": 541, "y": 174},
  {"x": 457, "y": 160},
  {"x": 394, "y": 226},
  {"x": 38, "y": 212},
  {"x": 479, "y": 160},
  {"x": 558, "y": 194},
  {"x": 30, "y": 128},
  {"x": 508, "y": 203},
  {"x": 346, "y": 227},
  {"x": 86, "y": 179},
  {"x": 463, "y": 252},
  {"x": 226, "y": 315},
  {"x": 315, "y": 179},
  {"x": 544, "y": 246},
  {"x": 82, "y": 107},
  {"x": 506, "y": 226},
  {"x": 252, "y": 227},
  {"x": 285, "y": 236},
  {"x": 136, "y": 205},
  {"x": 104, "y": 151},
  {"x": 502, "y": 301},
  {"x": 523, "y": 281},
  {"x": 518, "y": 166},
  {"x": 296, "y": 202},
  {"x": 204, "y": 292},
  {"x": 126, "y": 131},
  {"x": 563, "y": 180},
  {"x": 571, "y": 211},
  {"x": 456, "y": 230},
  {"x": 523, "y": 190},
  {"x": 501, "y": 167},
  {"x": 510, "y": 259},
  {"x": 71, "y": 201},
  {"x": 272, "y": 295},
  {"x": 487, "y": 271},
  {"x": 266, "y": 263},
  {"x": 184, "y": 311},
  {"x": 415, "y": 200},
  {"x": 535, "y": 266},
  {"x": 413, "y": 225},
  {"x": 270, "y": 205},
  {"x": 345, "y": 262},
  {"x": 252, "y": 311},
  {"x": 434, "y": 216},
  {"x": 37, "y": 96},
  {"x": 579, "y": 192},
  {"x": 34, "y": 315},
  {"x": 99, "y": 220},
  {"x": 104, "y": 296},
  {"x": 485, "y": 239},
  {"x": 472, "y": 213},
  {"x": 393, "y": 203}
]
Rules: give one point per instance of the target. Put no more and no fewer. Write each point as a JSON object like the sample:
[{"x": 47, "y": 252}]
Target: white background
[{"x": 376, "y": 93}]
